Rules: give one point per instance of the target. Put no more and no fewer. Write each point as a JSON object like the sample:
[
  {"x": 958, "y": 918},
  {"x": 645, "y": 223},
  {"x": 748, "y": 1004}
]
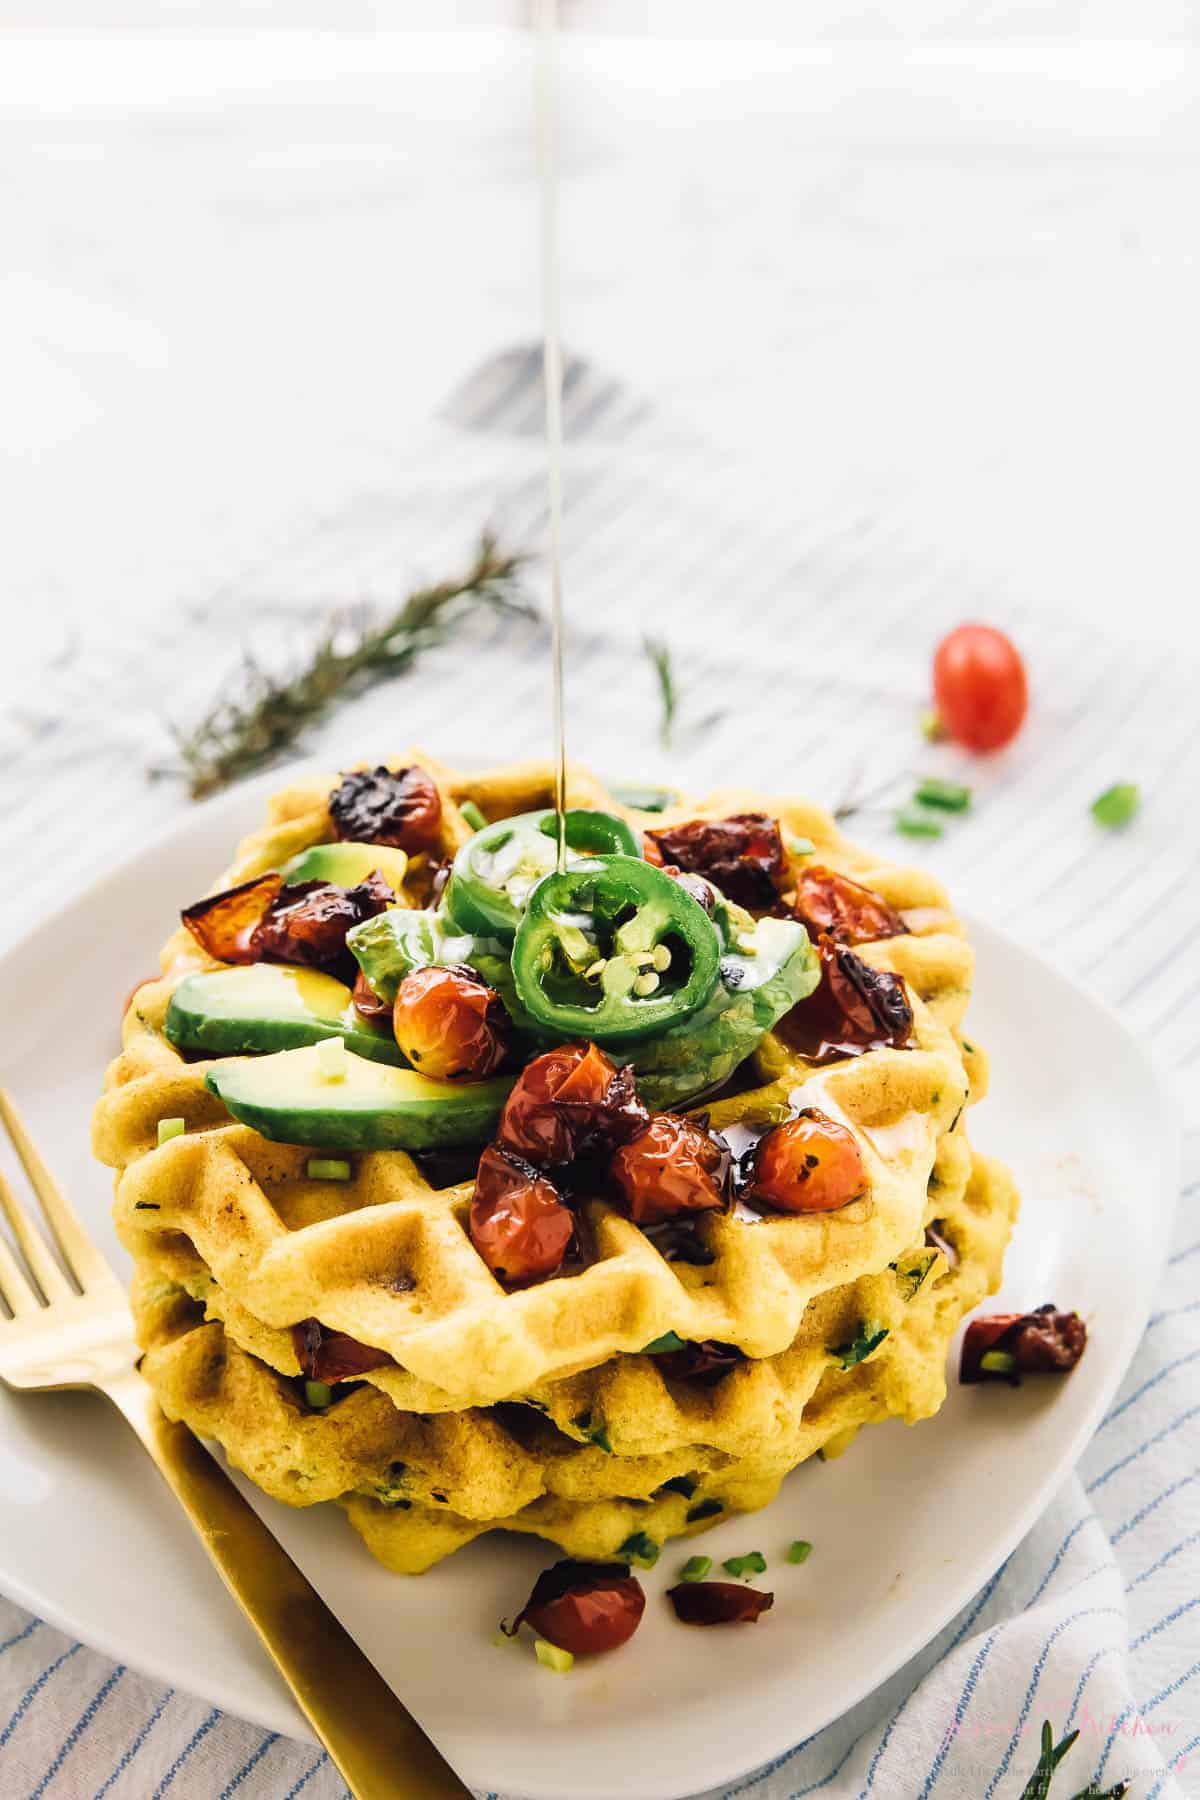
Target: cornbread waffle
[
  {"x": 283, "y": 1250},
  {"x": 418, "y": 1486},
  {"x": 536, "y": 1409}
]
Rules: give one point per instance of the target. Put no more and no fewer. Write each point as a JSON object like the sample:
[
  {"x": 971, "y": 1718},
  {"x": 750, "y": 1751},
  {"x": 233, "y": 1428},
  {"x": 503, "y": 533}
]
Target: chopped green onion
[
  {"x": 867, "y": 1339},
  {"x": 327, "y": 1168},
  {"x": 950, "y": 796},
  {"x": 640, "y": 1549},
  {"x": 472, "y": 815},
  {"x": 1116, "y": 805},
  {"x": 695, "y": 1568},
  {"x": 930, "y": 726},
  {"x": 170, "y": 1128},
  {"x": 659, "y": 1346},
  {"x": 910, "y": 822},
  {"x": 998, "y": 1362},
  {"x": 331, "y": 1058},
  {"x": 645, "y": 799},
  {"x": 551, "y": 1657},
  {"x": 753, "y": 1563},
  {"x": 319, "y": 1395},
  {"x": 801, "y": 846},
  {"x": 800, "y": 1551}
]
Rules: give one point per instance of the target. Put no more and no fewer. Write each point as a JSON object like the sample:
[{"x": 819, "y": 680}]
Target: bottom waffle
[{"x": 670, "y": 1457}]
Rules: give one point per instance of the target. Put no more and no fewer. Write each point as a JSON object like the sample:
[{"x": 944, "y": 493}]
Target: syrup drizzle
[{"x": 546, "y": 24}]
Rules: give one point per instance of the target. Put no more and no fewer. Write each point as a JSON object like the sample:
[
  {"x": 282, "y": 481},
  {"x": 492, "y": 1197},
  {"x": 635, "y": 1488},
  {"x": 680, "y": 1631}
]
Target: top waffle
[{"x": 385, "y": 1256}]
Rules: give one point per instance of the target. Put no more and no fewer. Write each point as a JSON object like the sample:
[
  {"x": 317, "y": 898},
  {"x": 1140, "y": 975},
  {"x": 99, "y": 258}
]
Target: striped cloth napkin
[{"x": 800, "y": 640}]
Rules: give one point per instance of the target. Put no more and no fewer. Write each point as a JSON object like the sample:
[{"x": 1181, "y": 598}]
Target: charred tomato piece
[
  {"x": 450, "y": 1025},
  {"x": 705, "y": 1363},
  {"x": 847, "y": 911},
  {"x": 853, "y": 1008},
  {"x": 718, "y": 1603},
  {"x": 224, "y": 924},
  {"x": 326, "y": 1355},
  {"x": 388, "y": 806},
  {"x": 742, "y": 855},
  {"x": 586, "y": 1608},
  {"x": 367, "y": 1003},
  {"x": 674, "y": 1166},
  {"x": 308, "y": 923},
  {"x": 571, "y": 1102},
  {"x": 518, "y": 1223},
  {"x": 810, "y": 1164},
  {"x": 1008, "y": 1345}
]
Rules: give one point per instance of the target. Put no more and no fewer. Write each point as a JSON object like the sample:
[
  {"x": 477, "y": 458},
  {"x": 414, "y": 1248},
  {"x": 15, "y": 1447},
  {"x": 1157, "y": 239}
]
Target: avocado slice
[
  {"x": 346, "y": 864},
  {"x": 287, "y": 1098},
  {"x": 267, "y": 1006}
]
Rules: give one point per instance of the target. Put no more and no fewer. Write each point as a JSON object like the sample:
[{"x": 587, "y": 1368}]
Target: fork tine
[
  {"x": 82, "y": 1257},
  {"x": 15, "y": 1291},
  {"x": 45, "y": 1270}
]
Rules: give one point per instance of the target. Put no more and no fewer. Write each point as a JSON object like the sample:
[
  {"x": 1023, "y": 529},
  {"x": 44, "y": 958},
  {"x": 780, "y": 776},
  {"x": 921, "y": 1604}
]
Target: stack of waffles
[{"x": 540, "y": 1410}]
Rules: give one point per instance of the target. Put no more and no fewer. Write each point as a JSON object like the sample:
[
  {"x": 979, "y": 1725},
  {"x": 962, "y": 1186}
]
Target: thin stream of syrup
[{"x": 546, "y": 24}]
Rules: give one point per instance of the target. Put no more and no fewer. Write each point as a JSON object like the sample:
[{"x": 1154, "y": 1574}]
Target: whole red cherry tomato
[
  {"x": 450, "y": 1025},
  {"x": 979, "y": 687},
  {"x": 810, "y": 1164},
  {"x": 518, "y": 1222},
  {"x": 583, "y": 1607},
  {"x": 674, "y": 1166}
]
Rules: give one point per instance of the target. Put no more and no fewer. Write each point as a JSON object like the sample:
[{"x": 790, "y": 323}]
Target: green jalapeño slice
[
  {"x": 496, "y": 870},
  {"x": 613, "y": 950}
]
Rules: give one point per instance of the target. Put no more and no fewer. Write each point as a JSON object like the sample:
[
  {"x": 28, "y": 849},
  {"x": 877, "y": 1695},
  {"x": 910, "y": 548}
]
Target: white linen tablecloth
[{"x": 801, "y": 585}]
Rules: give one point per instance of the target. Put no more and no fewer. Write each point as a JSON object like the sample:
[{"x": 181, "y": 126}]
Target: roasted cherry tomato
[
  {"x": 854, "y": 1007},
  {"x": 979, "y": 687},
  {"x": 333, "y": 1355},
  {"x": 367, "y": 1002},
  {"x": 810, "y": 1164},
  {"x": 224, "y": 925},
  {"x": 674, "y": 1166},
  {"x": 718, "y": 1603},
  {"x": 582, "y": 1607},
  {"x": 1008, "y": 1345},
  {"x": 388, "y": 806},
  {"x": 308, "y": 923},
  {"x": 849, "y": 912},
  {"x": 449, "y": 1024},
  {"x": 742, "y": 855},
  {"x": 569, "y": 1103},
  {"x": 518, "y": 1224}
]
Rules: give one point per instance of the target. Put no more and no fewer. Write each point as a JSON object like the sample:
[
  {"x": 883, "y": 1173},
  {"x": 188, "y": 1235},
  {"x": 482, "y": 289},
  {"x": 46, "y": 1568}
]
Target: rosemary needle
[
  {"x": 265, "y": 714},
  {"x": 660, "y": 659}
]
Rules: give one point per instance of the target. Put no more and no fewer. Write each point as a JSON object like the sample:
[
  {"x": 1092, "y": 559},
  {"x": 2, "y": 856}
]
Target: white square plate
[{"x": 906, "y": 1527}]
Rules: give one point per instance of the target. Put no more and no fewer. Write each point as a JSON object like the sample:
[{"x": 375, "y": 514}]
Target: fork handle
[{"x": 376, "y": 1743}]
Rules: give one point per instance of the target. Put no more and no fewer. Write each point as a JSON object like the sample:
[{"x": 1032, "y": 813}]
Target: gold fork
[{"x": 60, "y": 1338}]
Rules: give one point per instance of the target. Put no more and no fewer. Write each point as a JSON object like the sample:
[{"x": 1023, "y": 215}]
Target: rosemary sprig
[
  {"x": 1038, "y": 1785},
  {"x": 267, "y": 713},
  {"x": 659, "y": 654}
]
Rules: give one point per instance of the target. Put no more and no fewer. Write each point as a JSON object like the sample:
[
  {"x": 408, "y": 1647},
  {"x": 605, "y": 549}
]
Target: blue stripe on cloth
[
  {"x": 1163, "y": 1624},
  {"x": 78, "y": 1729},
  {"x": 247, "y": 1768},
  {"x": 1151, "y": 1382},
  {"x": 1183, "y": 1544},
  {"x": 19, "y": 1638},
  {"x": 1058, "y": 1556},
  {"x": 307, "y": 1777},
  {"x": 960, "y": 1713},
  {"x": 1039, "y": 1669},
  {"x": 198, "y": 1735},
  {"x": 981, "y": 1601},
  {"x": 129, "y": 1755},
  {"x": 32, "y": 1692},
  {"x": 1141, "y": 1450},
  {"x": 1081, "y": 1684},
  {"x": 1140, "y": 1517},
  {"x": 1174, "y": 1763}
]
